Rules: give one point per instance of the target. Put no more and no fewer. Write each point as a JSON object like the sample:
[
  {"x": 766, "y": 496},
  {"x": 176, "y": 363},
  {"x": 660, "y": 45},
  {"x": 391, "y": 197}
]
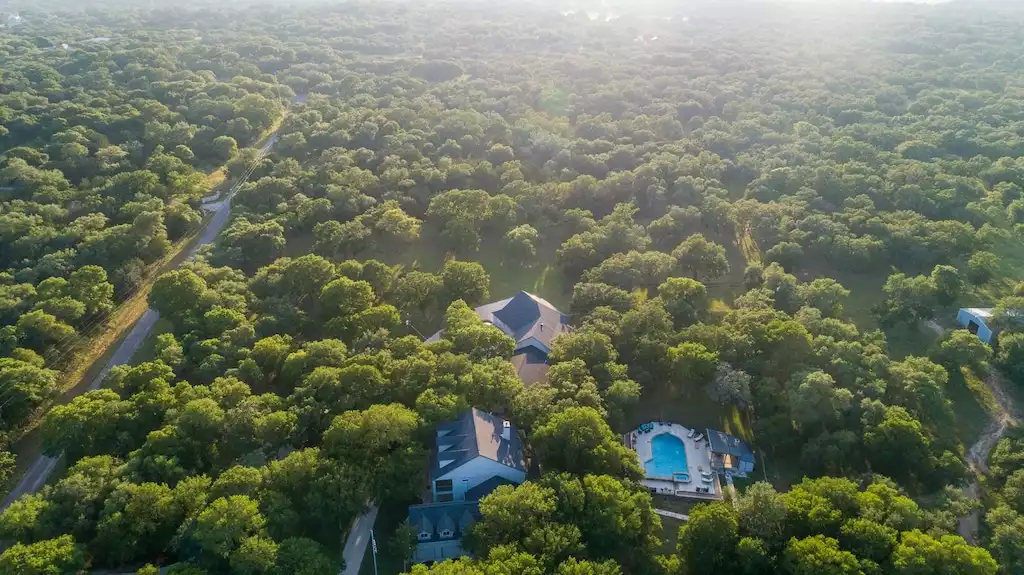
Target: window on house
[
  {"x": 424, "y": 536},
  {"x": 446, "y": 534},
  {"x": 444, "y": 497},
  {"x": 443, "y": 485}
]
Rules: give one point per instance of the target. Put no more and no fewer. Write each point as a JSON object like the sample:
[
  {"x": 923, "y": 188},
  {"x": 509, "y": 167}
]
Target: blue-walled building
[{"x": 974, "y": 318}]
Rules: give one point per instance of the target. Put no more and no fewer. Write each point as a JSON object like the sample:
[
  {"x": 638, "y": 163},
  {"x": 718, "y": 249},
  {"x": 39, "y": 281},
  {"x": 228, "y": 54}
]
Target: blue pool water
[{"x": 668, "y": 457}]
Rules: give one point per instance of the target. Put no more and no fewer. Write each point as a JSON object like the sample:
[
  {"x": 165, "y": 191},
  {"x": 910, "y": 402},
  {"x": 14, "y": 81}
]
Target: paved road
[
  {"x": 357, "y": 542},
  {"x": 36, "y": 475}
]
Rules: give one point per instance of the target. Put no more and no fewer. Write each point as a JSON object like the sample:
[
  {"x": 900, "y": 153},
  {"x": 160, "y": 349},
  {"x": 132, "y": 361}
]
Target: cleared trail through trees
[
  {"x": 1006, "y": 416},
  {"x": 977, "y": 456},
  {"x": 39, "y": 472}
]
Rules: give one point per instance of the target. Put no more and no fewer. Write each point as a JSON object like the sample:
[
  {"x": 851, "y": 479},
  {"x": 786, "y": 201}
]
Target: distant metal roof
[
  {"x": 983, "y": 312},
  {"x": 722, "y": 442}
]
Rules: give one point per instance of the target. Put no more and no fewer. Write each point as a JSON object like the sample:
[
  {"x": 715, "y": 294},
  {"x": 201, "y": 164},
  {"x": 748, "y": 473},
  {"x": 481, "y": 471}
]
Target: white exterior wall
[{"x": 476, "y": 471}]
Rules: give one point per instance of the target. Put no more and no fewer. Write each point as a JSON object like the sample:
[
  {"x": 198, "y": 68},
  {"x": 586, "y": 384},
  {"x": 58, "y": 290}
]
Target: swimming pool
[{"x": 668, "y": 457}]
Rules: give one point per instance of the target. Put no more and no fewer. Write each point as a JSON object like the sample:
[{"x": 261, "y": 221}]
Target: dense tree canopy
[{"x": 738, "y": 205}]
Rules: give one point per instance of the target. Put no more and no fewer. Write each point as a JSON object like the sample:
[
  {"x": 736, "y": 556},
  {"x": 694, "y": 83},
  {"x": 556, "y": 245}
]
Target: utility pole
[{"x": 408, "y": 323}]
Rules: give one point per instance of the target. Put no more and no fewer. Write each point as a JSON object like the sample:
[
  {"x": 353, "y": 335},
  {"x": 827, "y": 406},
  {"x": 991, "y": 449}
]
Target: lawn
[
  {"x": 1010, "y": 251},
  {"x": 669, "y": 535},
  {"x": 670, "y": 526},
  {"x": 907, "y": 340},
  {"x": 691, "y": 408},
  {"x": 675, "y": 504},
  {"x": 782, "y": 473},
  {"x": 727, "y": 288},
  {"x": 542, "y": 278},
  {"x": 973, "y": 404}
]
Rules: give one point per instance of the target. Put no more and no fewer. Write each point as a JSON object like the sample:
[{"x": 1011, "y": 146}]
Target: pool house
[{"x": 676, "y": 460}]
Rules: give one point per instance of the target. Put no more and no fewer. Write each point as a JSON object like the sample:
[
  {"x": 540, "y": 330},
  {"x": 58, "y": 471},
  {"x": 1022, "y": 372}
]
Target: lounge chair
[{"x": 692, "y": 431}]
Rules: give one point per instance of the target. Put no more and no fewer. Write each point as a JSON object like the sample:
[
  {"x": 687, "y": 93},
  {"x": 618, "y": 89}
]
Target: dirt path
[
  {"x": 977, "y": 456},
  {"x": 1006, "y": 416}
]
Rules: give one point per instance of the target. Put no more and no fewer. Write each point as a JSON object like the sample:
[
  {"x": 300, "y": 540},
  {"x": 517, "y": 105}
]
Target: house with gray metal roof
[
  {"x": 530, "y": 320},
  {"x": 439, "y": 528},
  {"x": 729, "y": 454},
  {"x": 472, "y": 456}
]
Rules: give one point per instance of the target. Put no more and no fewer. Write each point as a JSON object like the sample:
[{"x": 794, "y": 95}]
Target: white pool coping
[{"x": 698, "y": 460}]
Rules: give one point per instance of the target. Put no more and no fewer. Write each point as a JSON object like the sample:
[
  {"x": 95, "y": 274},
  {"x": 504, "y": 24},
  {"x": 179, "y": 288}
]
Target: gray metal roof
[
  {"x": 433, "y": 518},
  {"x": 982, "y": 312},
  {"x": 722, "y": 442},
  {"x": 475, "y": 434},
  {"x": 530, "y": 320}
]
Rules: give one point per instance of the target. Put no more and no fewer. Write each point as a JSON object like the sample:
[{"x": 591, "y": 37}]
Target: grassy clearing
[
  {"x": 215, "y": 178},
  {"x": 973, "y": 404},
  {"x": 748, "y": 247},
  {"x": 1010, "y": 251},
  {"x": 674, "y": 504},
  {"x": 727, "y": 288},
  {"x": 907, "y": 340},
  {"x": 692, "y": 408},
  {"x": 543, "y": 278},
  {"x": 670, "y": 526},
  {"x": 669, "y": 535},
  {"x": 782, "y": 473}
]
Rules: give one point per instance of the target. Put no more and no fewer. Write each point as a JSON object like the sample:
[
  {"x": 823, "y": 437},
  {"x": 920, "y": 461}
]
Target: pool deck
[{"x": 698, "y": 460}]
